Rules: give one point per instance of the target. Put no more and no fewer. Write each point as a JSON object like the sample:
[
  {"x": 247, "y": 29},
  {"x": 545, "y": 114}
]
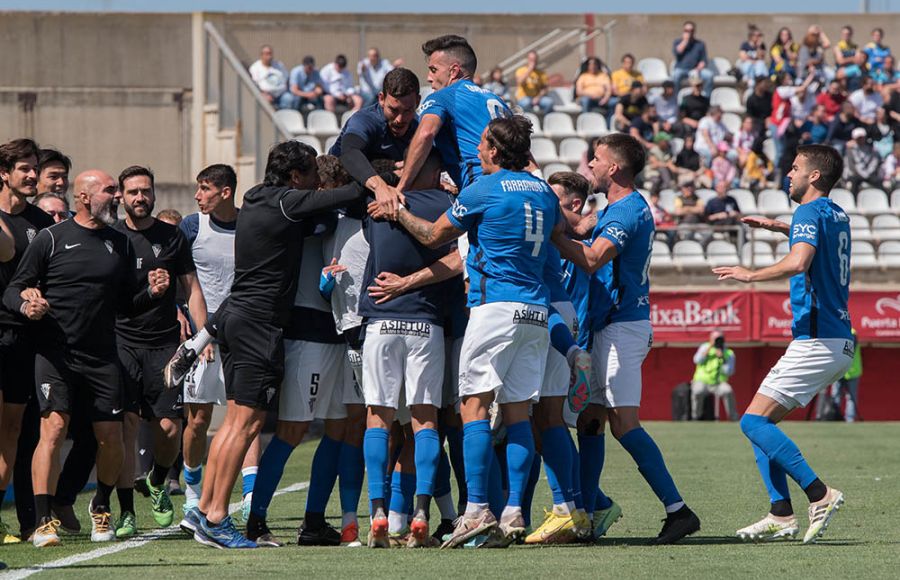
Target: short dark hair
[
  {"x": 457, "y": 47},
  {"x": 511, "y": 136},
  {"x": 47, "y": 195},
  {"x": 627, "y": 55},
  {"x": 341, "y": 60},
  {"x": 308, "y": 60},
  {"x": 286, "y": 157},
  {"x": 385, "y": 169},
  {"x": 878, "y": 30},
  {"x": 628, "y": 151},
  {"x": 170, "y": 214},
  {"x": 331, "y": 173},
  {"x": 50, "y": 156},
  {"x": 135, "y": 171},
  {"x": 220, "y": 175},
  {"x": 400, "y": 82},
  {"x": 573, "y": 182},
  {"x": 827, "y": 161},
  {"x": 16, "y": 150}
]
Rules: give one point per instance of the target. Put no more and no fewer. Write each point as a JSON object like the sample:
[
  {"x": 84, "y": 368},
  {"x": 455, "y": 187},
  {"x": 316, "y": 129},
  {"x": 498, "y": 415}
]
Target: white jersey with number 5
[{"x": 509, "y": 216}]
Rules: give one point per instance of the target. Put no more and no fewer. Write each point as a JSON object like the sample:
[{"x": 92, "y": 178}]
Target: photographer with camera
[{"x": 715, "y": 363}]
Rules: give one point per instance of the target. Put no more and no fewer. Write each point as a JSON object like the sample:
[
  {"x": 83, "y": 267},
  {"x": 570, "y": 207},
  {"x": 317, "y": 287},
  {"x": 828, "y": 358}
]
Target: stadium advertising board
[{"x": 691, "y": 316}]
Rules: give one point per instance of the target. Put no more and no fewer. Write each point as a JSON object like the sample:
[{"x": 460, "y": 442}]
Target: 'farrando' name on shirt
[
  {"x": 510, "y": 185},
  {"x": 528, "y": 316},
  {"x": 405, "y": 327}
]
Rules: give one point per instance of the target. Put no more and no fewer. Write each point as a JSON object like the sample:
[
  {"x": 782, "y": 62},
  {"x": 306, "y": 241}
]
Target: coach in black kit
[
  {"x": 72, "y": 281},
  {"x": 268, "y": 247}
]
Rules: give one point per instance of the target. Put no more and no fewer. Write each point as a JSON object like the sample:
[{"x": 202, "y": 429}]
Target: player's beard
[
  {"x": 797, "y": 191},
  {"x": 601, "y": 183},
  {"x": 139, "y": 210},
  {"x": 103, "y": 213}
]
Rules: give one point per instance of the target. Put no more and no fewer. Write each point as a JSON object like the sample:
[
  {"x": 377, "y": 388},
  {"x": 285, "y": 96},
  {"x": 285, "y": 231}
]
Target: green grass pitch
[{"x": 711, "y": 463}]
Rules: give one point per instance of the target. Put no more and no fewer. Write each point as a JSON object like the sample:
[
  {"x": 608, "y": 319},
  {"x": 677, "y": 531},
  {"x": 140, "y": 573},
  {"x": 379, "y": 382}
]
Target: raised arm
[
  {"x": 796, "y": 262},
  {"x": 429, "y": 234},
  {"x": 419, "y": 148}
]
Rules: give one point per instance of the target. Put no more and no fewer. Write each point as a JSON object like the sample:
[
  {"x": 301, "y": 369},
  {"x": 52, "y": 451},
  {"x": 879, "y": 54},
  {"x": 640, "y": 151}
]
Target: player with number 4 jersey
[{"x": 818, "y": 266}]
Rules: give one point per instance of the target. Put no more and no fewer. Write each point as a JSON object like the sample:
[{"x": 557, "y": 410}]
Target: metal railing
[
  {"x": 241, "y": 106},
  {"x": 554, "y": 45}
]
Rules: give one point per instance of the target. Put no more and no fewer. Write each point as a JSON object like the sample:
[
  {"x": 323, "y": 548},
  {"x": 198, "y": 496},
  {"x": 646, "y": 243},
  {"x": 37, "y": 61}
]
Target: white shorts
[
  {"x": 352, "y": 393},
  {"x": 452, "y": 348},
  {"x": 805, "y": 368},
  {"x": 616, "y": 359},
  {"x": 504, "y": 350},
  {"x": 557, "y": 374},
  {"x": 313, "y": 384},
  {"x": 403, "y": 355},
  {"x": 205, "y": 382}
]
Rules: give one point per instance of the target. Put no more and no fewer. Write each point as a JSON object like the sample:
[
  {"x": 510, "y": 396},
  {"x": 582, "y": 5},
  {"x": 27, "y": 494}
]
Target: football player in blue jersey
[
  {"x": 619, "y": 258},
  {"x": 454, "y": 116},
  {"x": 818, "y": 266},
  {"x": 508, "y": 215}
]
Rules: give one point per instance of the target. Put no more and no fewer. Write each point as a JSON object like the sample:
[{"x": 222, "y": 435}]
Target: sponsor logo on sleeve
[
  {"x": 618, "y": 234},
  {"x": 805, "y": 231},
  {"x": 458, "y": 210}
]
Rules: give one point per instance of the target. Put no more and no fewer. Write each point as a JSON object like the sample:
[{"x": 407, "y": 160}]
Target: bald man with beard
[{"x": 73, "y": 280}]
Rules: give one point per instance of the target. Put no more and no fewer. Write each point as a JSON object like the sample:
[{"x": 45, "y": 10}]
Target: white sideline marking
[{"x": 137, "y": 542}]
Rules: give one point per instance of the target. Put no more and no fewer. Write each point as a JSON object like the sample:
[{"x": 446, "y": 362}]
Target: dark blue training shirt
[
  {"x": 370, "y": 125},
  {"x": 393, "y": 249}
]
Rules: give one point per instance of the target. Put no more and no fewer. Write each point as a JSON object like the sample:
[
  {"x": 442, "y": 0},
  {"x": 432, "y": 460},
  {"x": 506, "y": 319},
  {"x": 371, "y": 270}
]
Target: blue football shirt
[
  {"x": 620, "y": 290},
  {"x": 464, "y": 109},
  {"x": 577, "y": 283},
  {"x": 819, "y": 296},
  {"x": 509, "y": 217}
]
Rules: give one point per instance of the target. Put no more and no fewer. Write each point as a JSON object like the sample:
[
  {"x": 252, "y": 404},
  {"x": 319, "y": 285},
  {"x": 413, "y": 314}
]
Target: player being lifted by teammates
[
  {"x": 619, "y": 259},
  {"x": 818, "y": 266}
]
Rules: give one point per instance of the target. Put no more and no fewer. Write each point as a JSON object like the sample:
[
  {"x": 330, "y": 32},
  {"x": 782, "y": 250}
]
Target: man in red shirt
[{"x": 832, "y": 99}]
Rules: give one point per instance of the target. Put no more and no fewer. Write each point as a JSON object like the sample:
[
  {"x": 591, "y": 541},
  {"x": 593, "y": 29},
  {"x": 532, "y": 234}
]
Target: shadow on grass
[{"x": 689, "y": 541}]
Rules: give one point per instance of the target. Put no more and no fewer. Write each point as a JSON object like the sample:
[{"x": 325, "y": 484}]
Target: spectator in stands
[
  {"x": 876, "y": 51},
  {"x": 881, "y": 134},
  {"x": 666, "y": 107},
  {"x": 841, "y": 129},
  {"x": 593, "y": 88},
  {"x": 758, "y": 171},
  {"x": 306, "y": 85},
  {"x": 532, "y": 86},
  {"x": 831, "y": 99},
  {"x": 862, "y": 163},
  {"x": 752, "y": 56},
  {"x": 644, "y": 126},
  {"x": 784, "y": 53},
  {"x": 888, "y": 74},
  {"x": 691, "y": 59},
  {"x": 797, "y": 133},
  {"x": 339, "y": 86},
  {"x": 53, "y": 176},
  {"x": 584, "y": 168},
  {"x": 271, "y": 77},
  {"x": 890, "y": 169},
  {"x": 851, "y": 75},
  {"x": 820, "y": 125},
  {"x": 371, "y": 71},
  {"x": 662, "y": 219},
  {"x": 845, "y": 50},
  {"x": 866, "y": 101},
  {"x": 54, "y": 205},
  {"x": 690, "y": 212},
  {"x": 892, "y": 108},
  {"x": 722, "y": 167},
  {"x": 803, "y": 101},
  {"x": 723, "y": 210},
  {"x": 660, "y": 170},
  {"x": 715, "y": 364},
  {"x": 496, "y": 84},
  {"x": 624, "y": 78},
  {"x": 630, "y": 107},
  {"x": 811, "y": 59},
  {"x": 759, "y": 103},
  {"x": 710, "y": 132},
  {"x": 781, "y": 115},
  {"x": 694, "y": 106},
  {"x": 744, "y": 140},
  {"x": 689, "y": 163}
]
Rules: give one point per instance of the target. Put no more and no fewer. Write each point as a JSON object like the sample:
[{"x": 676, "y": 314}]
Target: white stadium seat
[
  {"x": 292, "y": 120},
  {"x": 746, "y": 201},
  {"x": 552, "y": 168},
  {"x": 728, "y": 99},
  {"x": 843, "y": 198},
  {"x": 859, "y": 228},
  {"x": 346, "y": 117},
  {"x": 722, "y": 253},
  {"x": 563, "y": 101},
  {"x": 722, "y": 66},
  {"x": 535, "y": 124},
  {"x": 322, "y": 123},
  {"x": 589, "y": 125},
  {"x": 661, "y": 257},
  {"x": 758, "y": 254},
  {"x": 895, "y": 201},
  {"x": 543, "y": 150},
  {"x": 732, "y": 122},
  {"x": 872, "y": 202},
  {"x": 558, "y": 126},
  {"x": 889, "y": 254},
  {"x": 572, "y": 150},
  {"x": 886, "y": 227},
  {"x": 654, "y": 70},
  {"x": 705, "y": 194},
  {"x": 862, "y": 255},
  {"x": 769, "y": 149},
  {"x": 772, "y": 202},
  {"x": 689, "y": 254},
  {"x": 425, "y": 91},
  {"x": 667, "y": 199},
  {"x": 311, "y": 141},
  {"x": 329, "y": 142}
]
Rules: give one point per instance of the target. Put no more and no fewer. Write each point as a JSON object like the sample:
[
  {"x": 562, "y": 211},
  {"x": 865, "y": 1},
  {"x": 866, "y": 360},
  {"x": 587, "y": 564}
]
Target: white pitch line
[{"x": 137, "y": 542}]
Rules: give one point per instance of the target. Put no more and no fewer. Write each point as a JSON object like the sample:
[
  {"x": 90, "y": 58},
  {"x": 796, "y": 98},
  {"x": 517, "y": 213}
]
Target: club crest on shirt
[
  {"x": 30, "y": 233},
  {"x": 848, "y": 348},
  {"x": 45, "y": 390},
  {"x": 109, "y": 246},
  {"x": 270, "y": 392},
  {"x": 156, "y": 249}
]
